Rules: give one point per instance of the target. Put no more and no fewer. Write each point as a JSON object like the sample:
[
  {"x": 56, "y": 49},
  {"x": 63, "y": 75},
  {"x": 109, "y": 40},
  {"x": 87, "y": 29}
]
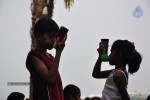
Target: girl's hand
[
  {"x": 101, "y": 48},
  {"x": 59, "y": 45}
]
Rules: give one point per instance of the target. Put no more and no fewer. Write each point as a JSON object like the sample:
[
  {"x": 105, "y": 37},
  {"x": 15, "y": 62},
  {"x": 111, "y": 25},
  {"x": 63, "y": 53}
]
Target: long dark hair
[{"x": 129, "y": 54}]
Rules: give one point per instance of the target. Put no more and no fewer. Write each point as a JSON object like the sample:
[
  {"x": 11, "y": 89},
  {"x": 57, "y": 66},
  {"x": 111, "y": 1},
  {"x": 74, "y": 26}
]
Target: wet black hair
[
  {"x": 45, "y": 24},
  {"x": 70, "y": 90},
  {"x": 16, "y": 96},
  {"x": 129, "y": 54}
]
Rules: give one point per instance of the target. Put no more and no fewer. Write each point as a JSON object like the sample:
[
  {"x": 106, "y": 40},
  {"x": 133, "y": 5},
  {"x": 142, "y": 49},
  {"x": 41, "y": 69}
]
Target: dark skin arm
[
  {"x": 49, "y": 76},
  {"x": 97, "y": 73},
  {"x": 121, "y": 84}
]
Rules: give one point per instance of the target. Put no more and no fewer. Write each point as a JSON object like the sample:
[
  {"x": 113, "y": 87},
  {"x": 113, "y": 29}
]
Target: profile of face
[
  {"x": 45, "y": 31},
  {"x": 114, "y": 57},
  {"x": 47, "y": 40}
]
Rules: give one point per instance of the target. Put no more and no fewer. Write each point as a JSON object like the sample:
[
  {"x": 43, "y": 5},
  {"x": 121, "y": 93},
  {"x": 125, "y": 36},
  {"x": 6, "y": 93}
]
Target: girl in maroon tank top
[{"x": 43, "y": 67}]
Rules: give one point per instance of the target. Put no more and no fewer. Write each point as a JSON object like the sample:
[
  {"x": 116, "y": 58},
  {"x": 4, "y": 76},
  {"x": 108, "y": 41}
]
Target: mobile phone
[
  {"x": 104, "y": 56},
  {"x": 105, "y": 44},
  {"x": 62, "y": 32}
]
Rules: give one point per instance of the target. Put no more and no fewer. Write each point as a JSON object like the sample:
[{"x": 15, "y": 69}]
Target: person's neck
[
  {"x": 43, "y": 50},
  {"x": 120, "y": 67}
]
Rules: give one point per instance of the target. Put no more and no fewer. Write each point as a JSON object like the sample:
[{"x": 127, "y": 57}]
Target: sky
[{"x": 88, "y": 22}]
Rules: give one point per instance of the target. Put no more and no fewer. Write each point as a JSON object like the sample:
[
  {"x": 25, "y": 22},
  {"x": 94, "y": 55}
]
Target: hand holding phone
[
  {"x": 62, "y": 33},
  {"x": 104, "y": 45}
]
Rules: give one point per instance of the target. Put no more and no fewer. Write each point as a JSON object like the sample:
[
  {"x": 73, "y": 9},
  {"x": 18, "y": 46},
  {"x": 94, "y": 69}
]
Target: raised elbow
[{"x": 94, "y": 75}]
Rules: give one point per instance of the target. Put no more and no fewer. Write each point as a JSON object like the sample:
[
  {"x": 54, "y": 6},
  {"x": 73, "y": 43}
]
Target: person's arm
[
  {"x": 97, "y": 73},
  {"x": 121, "y": 84},
  {"x": 43, "y": 71},
  {"x": 49, "y": 76}
]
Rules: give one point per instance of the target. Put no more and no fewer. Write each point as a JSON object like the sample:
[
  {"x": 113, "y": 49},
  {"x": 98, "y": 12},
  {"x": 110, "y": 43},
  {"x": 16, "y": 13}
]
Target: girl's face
[
  {"x": 47, "y": 40},
  {"x": 113, "y": 57}
]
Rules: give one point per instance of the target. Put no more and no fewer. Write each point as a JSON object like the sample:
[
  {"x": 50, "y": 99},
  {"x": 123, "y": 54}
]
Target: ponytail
[{"x": 134, "y": 62}]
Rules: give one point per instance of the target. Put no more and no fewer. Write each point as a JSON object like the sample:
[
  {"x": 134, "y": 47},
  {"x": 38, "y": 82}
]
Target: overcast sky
[{"x": 88, "y": 21}]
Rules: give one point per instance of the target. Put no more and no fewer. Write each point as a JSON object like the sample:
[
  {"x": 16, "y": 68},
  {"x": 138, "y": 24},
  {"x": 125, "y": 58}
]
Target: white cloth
[{"x": 110, "y": 91}]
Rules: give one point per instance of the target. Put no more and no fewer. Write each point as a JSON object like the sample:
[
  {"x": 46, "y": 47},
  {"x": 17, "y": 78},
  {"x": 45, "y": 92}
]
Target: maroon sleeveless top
[{"x": 41, "y": 89}]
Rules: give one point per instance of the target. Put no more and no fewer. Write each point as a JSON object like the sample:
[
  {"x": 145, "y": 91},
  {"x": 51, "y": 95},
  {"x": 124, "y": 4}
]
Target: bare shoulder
[
  {"x": 120, "y": 77},
  {"x": 119, "y": 74}
]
